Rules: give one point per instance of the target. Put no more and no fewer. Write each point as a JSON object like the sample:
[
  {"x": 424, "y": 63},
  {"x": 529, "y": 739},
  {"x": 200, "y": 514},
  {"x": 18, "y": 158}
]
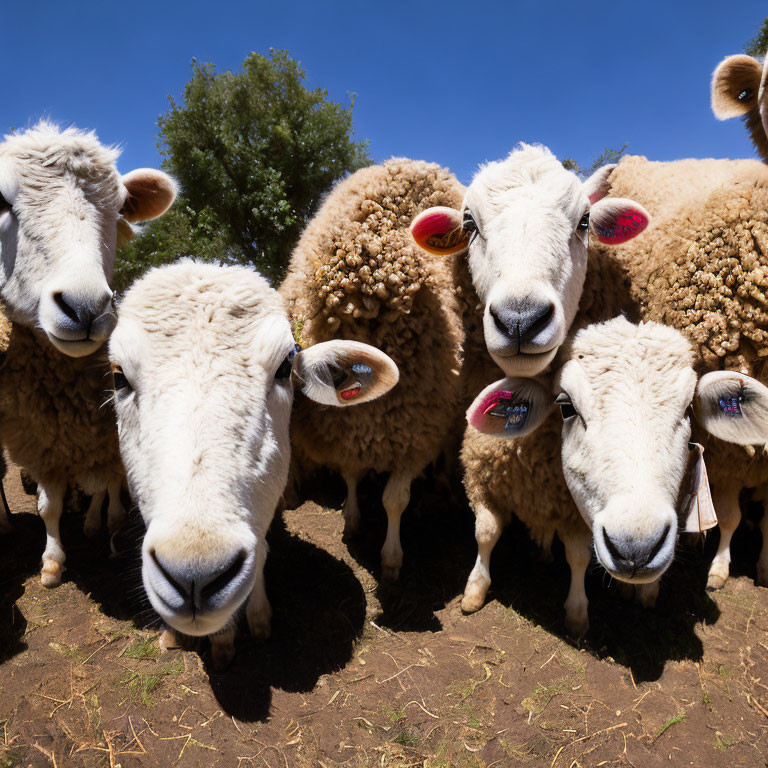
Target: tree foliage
[
  {"x": 253, "y": 153},
  {"x": 758, "y": 45},
  {"x": 607, "y": 156}
]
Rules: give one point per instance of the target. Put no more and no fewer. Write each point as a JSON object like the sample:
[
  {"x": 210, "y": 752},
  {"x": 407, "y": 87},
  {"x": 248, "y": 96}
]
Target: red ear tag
[
  {"x": 352, "y": 392},
  {"x": 438, "y": 233},
  {"x": 626, "y": 226}
]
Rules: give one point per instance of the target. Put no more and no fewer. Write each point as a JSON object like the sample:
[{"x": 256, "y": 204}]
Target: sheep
[
  {"x": 208, "y": 352},
  {"x": 702, "y": 269},
  {"x": 614, "y": 468},
  {"x": 356, "y": 274},
  {"x": 522, "y": 226},
  {"x": 62, "y": 207},
  {"x": 738, "y": 91}
]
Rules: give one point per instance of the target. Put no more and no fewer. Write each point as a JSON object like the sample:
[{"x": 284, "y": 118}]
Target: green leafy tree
[
  {"x": 758, "y": 45},
  {"x": 604, "y": 158},
  {"x": 253, "y": 152}
]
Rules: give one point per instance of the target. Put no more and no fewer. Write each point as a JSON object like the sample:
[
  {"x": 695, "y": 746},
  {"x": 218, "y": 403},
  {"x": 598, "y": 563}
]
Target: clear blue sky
[{"x": 453, "y": 82}]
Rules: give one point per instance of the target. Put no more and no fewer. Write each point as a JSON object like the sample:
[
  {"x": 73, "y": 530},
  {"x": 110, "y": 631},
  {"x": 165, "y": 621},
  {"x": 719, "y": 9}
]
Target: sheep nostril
[
  {"x": 656, "y": 548},
  {"x": 66, "y": 307},
  {"x": 183, "y": 593},
  {"x": 224, "y": 578},
  {"x": 615, "y": 552}
]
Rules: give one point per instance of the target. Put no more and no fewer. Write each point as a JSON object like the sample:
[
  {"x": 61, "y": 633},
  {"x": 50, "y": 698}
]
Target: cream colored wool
[{"x": 357, "y": 274}]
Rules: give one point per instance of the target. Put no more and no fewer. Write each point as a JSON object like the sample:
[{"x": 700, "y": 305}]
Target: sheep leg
[
  {"x": 488, "y": 527},
  {"x": 116, "y": 513},
  {"x": 545, "y": 548},
  {"x": 726, "y": 502},
  {"x": 92, "y": 523},
  {"x": 351, "y": 509},
  {"x": 397, "y": 494},
  {"x": 50, "y": 504},
  {"x": 578, "y": 553},
  {"x": 762, "y": 561},
  {"x": 258, "y": 610},
  {"x": 646, "y": 594},
  {"x": 223, "y": 647}
]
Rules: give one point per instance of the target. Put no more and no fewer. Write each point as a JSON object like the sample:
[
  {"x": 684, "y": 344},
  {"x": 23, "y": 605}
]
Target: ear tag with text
[
  {"x": 502, "y": 406},
  {"x": 731, "y": 406},
  {"x": 698, "y": 509},
  {"x": 351, "y": 382}
]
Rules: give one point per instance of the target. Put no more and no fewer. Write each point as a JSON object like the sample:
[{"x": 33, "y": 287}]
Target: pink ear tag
[
  {"x": 437, "y": 231},
  {"x": 698, "y": 509},
  {"x": 623, "y": 228},
  {"x": 499, "y": 411}
]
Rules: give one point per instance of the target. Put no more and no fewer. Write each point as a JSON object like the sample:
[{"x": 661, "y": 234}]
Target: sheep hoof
[
  {"x": 51, "y": 574},
  {"x": 169, "y": 639},
  {"x": 390, "y": 572},
  {"x": 260, "y": 622},
  {"x": 577, "y": 625},
  {"x": 222, "y": 653},
  {"x": 472, "y": 601},
  {"x": 716, "y": 581}
]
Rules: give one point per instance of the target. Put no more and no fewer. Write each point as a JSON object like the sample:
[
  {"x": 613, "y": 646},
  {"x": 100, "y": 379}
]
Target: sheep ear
[
  {"x": 150, "y": 194},
  {"x": 733, "y": 407},
  {"x": 343, "y": 373},
  {"x": 616, "y": 220},
  {"x": 735, "y": 86},
  {"x": 597, "y": 185},
  {"x": 439, "y": 231},
  {"x": 510, "y": 408}
]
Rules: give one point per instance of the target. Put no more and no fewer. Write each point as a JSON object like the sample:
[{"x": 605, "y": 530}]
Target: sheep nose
[
  {"x": 199, "y": 588},
  {"x": 632, "y": 555},
  {"x": 523, "y": 324},
  {"x": 84, "y": 317}
]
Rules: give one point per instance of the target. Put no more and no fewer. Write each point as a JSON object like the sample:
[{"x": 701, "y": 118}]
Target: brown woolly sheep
[
  {"x": 56, "y": 421},
  {"x": 703, "y": 269},
  {"x": 738, "y": 91},
  {"x": 357, "y": 274}
]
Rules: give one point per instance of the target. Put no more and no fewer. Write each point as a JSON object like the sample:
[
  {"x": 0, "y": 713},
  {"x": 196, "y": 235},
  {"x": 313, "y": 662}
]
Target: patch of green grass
[
  {"x": 723, "y": 670},
  {"x": 142, "y": 648},
  {"x": 71, "y": 651},
  {"x": 674, "y": 720},
  {"x": 705, "y": 699},
  {"x": 406, "y": 739},
  {"x": 722, "y": 742},
  {"x": 141, "y": 685},
  {"x": 543, "y": 694},
  {"x": 394, "y": 715},
  {"x": 520, "y": 752},
  {"x": 11, "y": 759}
]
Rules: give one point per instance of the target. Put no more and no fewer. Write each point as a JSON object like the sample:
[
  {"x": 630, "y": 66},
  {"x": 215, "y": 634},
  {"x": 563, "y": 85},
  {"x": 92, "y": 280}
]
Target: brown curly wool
[
  {"x": 55, "y": 420},
  {"x": 357, "y": 274}
]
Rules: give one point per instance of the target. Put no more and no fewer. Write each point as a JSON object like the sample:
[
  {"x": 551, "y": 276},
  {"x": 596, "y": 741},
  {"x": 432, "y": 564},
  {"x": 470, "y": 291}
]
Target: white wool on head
[
  {"x": 529, "y": 257},
  {"x": 625, "y": 452}
]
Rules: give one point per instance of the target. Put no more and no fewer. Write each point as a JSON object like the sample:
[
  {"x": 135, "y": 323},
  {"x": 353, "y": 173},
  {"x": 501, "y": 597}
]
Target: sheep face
[
  {"x": 62, "y": 202},
  {"x": 738, "y": 90},
  {"x": 204, "y": 360},
  {"x": 524, "y": 226}
]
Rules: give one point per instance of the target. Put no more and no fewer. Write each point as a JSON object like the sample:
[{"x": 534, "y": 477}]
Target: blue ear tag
[
  {"x": 515, "y": 413},
  {"x": 731, "y": 406},
  {"x": 362, "y": 369}
]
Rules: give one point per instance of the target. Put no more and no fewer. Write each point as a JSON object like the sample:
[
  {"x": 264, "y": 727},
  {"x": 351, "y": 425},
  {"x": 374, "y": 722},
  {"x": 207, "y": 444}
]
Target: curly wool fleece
[{"x": 357, "y": 274}]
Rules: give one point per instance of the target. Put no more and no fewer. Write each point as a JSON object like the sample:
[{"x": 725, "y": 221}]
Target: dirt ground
[{"x": 359, "y": 674}]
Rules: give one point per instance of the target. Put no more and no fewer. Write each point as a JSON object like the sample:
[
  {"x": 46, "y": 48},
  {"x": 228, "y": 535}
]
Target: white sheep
[
  {"x": 204, "y": 360},
  {"x": 620, "y": 444},
  {"x": 62, "y": 203}
]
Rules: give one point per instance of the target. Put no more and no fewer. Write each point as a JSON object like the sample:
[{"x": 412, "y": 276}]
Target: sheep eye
[
  {"x": 120, "y": 380},
  {"x": 584, "y": 223},
  {"x": 567, "y": 411},
  {"x": 4, "y": 204},
  {"x": 284, "y": 371},
  {"x": 469, "y": 225}
]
